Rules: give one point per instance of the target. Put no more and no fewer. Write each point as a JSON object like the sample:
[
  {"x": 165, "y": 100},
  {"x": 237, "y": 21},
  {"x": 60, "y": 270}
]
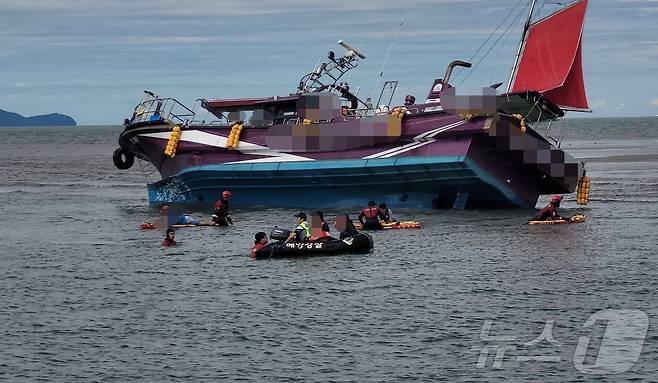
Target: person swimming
[
  {"x": 170, "y": 238},
  {"x": 260, "y": 240}
]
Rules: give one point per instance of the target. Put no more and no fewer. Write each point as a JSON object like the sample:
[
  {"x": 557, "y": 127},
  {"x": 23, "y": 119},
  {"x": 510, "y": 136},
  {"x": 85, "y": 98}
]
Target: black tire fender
[{"x": 123, "y": 160}]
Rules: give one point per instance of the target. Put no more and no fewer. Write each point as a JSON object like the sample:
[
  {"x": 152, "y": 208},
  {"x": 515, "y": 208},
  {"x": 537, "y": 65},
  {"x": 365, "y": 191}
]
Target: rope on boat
[
  {"x": 459, "y": 70},
  {"x": 505, "y": 32},
  {"x": 388, "y": 54}
]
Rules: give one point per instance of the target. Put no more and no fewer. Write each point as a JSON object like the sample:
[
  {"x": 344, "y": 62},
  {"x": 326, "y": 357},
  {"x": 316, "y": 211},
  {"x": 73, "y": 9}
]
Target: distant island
[{"x": 52, "y": 119}]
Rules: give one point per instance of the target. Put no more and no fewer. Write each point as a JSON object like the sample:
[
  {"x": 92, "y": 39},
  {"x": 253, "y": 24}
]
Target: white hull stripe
[
  {"x": 420, "y": 140},
  {"x": 270, "y": 155},
  {"x": 204, "y": 138}
]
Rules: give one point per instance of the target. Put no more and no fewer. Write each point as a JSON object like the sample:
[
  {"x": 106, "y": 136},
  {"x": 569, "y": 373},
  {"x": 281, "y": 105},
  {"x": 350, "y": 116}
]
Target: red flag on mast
[{"x": 551, "y": 59}]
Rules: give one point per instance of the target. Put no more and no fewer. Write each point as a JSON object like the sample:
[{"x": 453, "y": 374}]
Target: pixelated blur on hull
[{"x": 323, "y": 146}]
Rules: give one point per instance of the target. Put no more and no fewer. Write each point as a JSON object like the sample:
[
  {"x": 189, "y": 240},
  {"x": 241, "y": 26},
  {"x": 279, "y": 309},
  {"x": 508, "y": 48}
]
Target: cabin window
[{"x": 251, "y": 118}]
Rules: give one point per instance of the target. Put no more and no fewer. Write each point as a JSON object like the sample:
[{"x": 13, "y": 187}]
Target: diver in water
[{"x": 550, "y": 211}]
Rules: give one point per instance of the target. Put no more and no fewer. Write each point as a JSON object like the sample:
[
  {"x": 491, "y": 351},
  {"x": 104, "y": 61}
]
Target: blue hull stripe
[
  {"x": 401, "y": 182},
  {"x": 328, "y": 164}
]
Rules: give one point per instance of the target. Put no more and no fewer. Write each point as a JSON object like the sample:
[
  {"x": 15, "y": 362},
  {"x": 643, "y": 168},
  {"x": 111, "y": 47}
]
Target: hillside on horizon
[{"x": 53, "y": 119}]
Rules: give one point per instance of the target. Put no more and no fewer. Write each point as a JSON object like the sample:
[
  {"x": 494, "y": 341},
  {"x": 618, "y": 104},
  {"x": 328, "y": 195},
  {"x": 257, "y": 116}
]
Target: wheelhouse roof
[{"x": 245, "y": 103}]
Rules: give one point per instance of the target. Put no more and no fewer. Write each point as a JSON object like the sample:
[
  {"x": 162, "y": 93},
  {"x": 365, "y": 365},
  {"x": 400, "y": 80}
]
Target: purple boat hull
[{"x": 439, "y": 160}]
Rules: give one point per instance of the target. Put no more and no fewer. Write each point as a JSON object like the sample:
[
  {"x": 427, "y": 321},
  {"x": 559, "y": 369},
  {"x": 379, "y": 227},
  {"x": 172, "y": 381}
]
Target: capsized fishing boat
[{"x": 324, "y": 146}]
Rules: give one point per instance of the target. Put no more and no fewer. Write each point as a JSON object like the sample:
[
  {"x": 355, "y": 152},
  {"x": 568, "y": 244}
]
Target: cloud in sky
[
  {"x": 204, "y": 8},
  {"x": 654, "y": 102},
  {"x": 92, "y": 58}
]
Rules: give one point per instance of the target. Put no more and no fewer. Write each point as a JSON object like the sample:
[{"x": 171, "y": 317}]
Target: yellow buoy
[
  {"x": 583, "y": 190},
  {"x": 172, "y": 143},
  {"x": 234, "y": 136}
]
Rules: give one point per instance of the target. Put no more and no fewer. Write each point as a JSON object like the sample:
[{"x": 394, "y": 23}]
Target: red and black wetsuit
[
  {"x": 257, "y": 247},
  {"x": 549, "y": 212},
  {"x": 383, "y": 215},
  {"x": 221, "y": 216},
  {"x": 371, "y": 221},
  {"x": 167, "y": 242}
]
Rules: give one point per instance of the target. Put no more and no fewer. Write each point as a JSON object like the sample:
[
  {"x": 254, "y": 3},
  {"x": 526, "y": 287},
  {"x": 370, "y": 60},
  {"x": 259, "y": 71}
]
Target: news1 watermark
[{"x": 615, "y": 352}]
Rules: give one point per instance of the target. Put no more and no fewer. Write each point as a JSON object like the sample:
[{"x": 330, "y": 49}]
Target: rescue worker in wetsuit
[
  {"x": 220, "y": 215},
  {"x": 259, "y": 242},
  {"x": 550, "y": 211},
  {"x": 303, "y": 230},
  {"x": 385, "y": 214},
  {"x": 346, "y": 227},
  {"x": 369, "y": 218}
]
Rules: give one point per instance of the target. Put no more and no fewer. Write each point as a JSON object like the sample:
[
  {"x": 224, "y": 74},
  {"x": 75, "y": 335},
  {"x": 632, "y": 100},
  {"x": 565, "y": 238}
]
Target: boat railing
[
  {"x": 162, "y": 109},
  {"x": 329, "y": 72}
]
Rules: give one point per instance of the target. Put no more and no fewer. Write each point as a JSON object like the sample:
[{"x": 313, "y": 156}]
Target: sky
[{"x": 91, "y": 59}]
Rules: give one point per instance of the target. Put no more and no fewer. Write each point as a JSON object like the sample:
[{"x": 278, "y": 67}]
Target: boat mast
[{"x": 518, "y": 53}]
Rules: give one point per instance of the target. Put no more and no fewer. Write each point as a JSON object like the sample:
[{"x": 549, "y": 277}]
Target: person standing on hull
[
  {"x": 550, "y": 211},
  {"x": 369, "y": 218},
  {"x": 221, "y": 215},
  {"x": 303, "y": 230}
]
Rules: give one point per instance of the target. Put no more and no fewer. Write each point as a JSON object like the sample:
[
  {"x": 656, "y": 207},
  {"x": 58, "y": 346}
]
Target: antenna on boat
[
  {"x": 327, "y": 74},
  {"x": 351, "y": 51},
  {"x": 388, "y": 54},
  {"x": 526, "y": 27}
]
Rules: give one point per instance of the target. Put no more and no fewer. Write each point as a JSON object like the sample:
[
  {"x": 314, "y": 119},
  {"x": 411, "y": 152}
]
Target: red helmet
[
  {"x": 226, "y": 194},
  {"x": 556, "y": 198}
]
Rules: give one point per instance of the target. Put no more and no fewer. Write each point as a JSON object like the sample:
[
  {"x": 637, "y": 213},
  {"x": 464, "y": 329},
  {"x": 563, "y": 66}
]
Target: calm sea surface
[{"x": 86, "y": 296}]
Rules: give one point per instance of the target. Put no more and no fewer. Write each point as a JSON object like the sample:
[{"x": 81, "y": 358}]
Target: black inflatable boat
[{"x": 360, "y": 243}]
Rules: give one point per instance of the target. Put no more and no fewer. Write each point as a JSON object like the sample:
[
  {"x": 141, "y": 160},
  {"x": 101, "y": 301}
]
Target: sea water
[{"x": 472, "y": 296}]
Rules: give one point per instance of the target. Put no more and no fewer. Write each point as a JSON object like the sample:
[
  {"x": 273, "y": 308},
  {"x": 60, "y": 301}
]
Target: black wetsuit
[
  {"x": 350, "y": 230},
  {"x": 221, "y": 216},
  {"x": 371, "y": 221}
]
